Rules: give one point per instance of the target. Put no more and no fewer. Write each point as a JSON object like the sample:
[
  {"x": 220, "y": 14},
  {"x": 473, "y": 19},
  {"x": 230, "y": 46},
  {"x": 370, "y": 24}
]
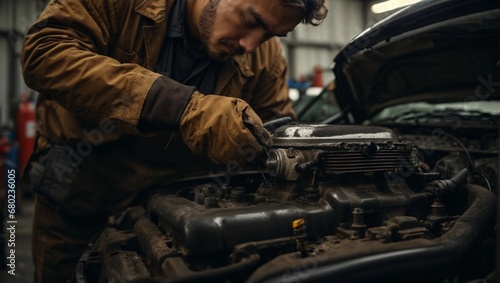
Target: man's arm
[{"x": 65, "y": 55}]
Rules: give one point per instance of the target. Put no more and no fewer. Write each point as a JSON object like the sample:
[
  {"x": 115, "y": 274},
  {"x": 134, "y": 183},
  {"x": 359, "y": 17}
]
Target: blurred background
[{"x": 308, "y": 50}]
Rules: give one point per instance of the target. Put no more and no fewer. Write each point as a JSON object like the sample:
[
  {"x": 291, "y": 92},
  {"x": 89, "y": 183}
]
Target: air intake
[{"x": 337, "y": 149}]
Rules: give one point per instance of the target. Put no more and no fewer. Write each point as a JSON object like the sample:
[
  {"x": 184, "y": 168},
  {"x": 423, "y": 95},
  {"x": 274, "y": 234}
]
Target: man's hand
[{"x": 223, "y": 128}]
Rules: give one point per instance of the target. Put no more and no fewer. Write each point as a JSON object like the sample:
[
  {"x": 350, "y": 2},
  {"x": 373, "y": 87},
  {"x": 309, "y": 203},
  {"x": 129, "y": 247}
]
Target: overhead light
[{"x": 389, "y": 5}]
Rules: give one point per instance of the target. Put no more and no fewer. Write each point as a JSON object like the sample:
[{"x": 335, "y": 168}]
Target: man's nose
[{"x": 251, "y": 41}]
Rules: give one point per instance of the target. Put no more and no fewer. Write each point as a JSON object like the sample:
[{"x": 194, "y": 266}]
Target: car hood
[{"x": 433, "y": 51}]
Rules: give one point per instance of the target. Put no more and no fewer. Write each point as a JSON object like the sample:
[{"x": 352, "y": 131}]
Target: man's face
[{"x": 233, "y": 27}]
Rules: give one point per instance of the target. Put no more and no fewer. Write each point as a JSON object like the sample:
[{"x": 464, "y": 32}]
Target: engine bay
[{"x": 335, "y": 203}]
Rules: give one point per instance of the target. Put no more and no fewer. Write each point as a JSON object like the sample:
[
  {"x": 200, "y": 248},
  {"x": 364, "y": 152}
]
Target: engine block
[{"x": 330, "y": 195}]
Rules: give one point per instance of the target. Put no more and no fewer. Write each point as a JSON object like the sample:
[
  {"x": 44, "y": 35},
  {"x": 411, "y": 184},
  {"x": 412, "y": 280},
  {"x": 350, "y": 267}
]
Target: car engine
[{"x": 333, "y": 203}]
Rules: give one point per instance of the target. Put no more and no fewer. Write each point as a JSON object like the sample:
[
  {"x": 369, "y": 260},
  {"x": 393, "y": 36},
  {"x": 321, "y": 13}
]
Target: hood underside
[{"x": 418, "y": 56}]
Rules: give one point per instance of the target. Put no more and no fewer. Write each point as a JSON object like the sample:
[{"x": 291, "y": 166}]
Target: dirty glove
[{"x": 225, "y": 129}]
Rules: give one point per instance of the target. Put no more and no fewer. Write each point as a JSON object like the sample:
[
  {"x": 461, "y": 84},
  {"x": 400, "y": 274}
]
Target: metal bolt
[
  {"x": 299, "y": 230},
  {"x": 358, "y": 223},
  {"x": 238, "y": 195},
  {"x": 437, "y": 208},
  {"x": 210, "y": 202}
]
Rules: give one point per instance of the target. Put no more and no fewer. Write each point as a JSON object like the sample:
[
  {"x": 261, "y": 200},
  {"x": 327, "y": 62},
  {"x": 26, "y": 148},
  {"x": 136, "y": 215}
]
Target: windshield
[
  {"x": 319, "y": 107},
  {"x": 486, "y": 111}
]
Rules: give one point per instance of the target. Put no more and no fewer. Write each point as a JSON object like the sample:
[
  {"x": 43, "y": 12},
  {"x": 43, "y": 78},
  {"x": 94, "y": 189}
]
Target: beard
[{"x": 207, "y": 19}]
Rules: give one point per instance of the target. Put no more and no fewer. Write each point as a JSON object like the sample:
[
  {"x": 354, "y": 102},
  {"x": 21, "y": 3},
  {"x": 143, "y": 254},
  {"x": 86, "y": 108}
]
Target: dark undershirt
[{"x": 184, "y": 59}]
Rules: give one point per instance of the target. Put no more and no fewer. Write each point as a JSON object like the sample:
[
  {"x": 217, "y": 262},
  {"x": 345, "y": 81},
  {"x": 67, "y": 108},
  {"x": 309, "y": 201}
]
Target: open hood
[{"x": 433, "y": 51}]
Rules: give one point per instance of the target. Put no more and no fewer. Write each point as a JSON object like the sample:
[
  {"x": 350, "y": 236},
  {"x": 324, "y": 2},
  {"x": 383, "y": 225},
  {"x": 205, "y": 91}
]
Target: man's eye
[{"x": 248, "y": 23}]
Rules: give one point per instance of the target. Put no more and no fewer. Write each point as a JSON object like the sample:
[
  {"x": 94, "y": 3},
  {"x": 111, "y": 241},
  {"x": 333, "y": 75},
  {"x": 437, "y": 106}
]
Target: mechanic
[{"x": 136, "y": 93}]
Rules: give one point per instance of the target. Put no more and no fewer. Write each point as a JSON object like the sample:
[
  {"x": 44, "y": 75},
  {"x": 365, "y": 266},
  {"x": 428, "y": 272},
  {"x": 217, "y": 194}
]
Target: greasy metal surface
[
  {"x": 362, "y": 261},
  {"x": 339, "y": 162},
  {"x": 186, "y": 242},
  {"x": 198, "y": 230},
  {"x": 145, "y": 254},
  {"x": 323, "y": 135},
  {"x": 337, "y": 150},
  {"x": 363, "y": 217},
  {"x": 120, "y": 257},
  {"x": 153, "y": 244}
]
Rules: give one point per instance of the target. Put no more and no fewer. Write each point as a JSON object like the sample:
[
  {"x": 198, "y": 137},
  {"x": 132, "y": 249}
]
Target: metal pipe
[
  {"x": 396, "y": 259},
  {"x": 222, "y": 229},
  {"x": 179, "y": 272}
]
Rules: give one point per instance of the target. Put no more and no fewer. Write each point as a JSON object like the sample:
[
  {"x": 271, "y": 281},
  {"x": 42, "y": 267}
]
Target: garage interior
[{"x": 309, "y": 52}]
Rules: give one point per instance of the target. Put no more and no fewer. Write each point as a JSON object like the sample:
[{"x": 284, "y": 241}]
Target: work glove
[{"x": 225, "y": 129}]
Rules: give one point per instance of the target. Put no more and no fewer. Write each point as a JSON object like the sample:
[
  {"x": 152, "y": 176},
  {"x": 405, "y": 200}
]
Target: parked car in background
[
  {"x": 431, "y": 73},
  {"x": 389, "y": 177},
  {"x": 318, "y": 108}
]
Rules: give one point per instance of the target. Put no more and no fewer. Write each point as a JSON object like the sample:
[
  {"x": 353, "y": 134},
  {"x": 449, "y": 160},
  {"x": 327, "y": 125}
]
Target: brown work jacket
[{"x": 92, "y": 61}]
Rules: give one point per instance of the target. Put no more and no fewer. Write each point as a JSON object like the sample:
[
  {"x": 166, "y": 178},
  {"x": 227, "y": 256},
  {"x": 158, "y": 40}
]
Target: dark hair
[{"x": 314, "y": 10}]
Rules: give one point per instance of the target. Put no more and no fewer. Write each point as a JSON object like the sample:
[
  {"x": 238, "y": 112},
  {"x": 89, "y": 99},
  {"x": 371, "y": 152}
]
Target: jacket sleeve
[
  {"x": 65, "y": 57},
  {"x": 270, "y": 99}
]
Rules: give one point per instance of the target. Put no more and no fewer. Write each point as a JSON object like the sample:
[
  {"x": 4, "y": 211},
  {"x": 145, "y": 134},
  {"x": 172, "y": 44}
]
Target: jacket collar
[
  {"x": 154, "y": 9},
  {"x": 239, "y": 64}
]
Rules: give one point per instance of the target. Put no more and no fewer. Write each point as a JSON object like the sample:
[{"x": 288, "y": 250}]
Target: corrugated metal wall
[
  {"x": 305, "y": 48},
  {"x": 15, "y": 18},
  {"x": 310, "y": 46}
]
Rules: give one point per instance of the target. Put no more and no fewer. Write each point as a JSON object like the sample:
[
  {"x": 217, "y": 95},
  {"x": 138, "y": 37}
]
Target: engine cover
[
  {"x": 329, "y": 196},
  {"x": 337, "y": 150}
]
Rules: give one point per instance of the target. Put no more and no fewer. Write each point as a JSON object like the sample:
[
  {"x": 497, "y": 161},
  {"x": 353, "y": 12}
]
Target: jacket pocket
[{"x": 58, "y": 175}]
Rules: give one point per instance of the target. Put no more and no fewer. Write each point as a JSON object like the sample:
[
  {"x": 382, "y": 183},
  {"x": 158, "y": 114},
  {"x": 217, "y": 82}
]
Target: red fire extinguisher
[{"x": 26, "y": 129}]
